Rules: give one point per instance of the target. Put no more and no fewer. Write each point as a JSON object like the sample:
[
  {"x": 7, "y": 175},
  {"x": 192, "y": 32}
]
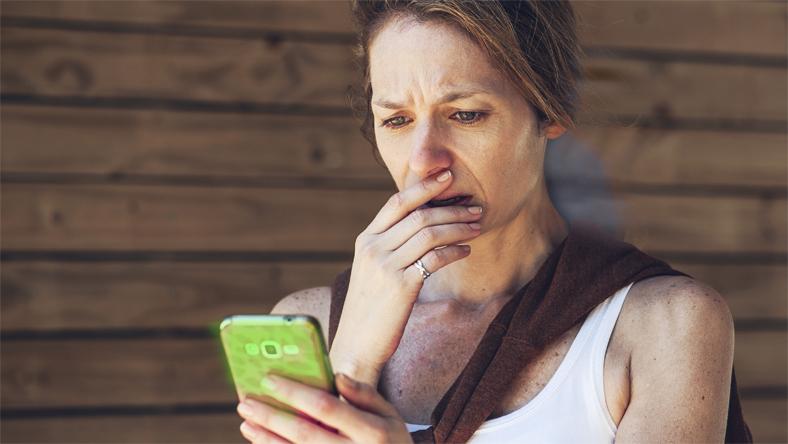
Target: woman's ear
[{"x": 552, "y": 130}]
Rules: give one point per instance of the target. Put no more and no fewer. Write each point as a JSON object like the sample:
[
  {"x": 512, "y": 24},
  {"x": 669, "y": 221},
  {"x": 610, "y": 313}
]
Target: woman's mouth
[{"x": 457, "y": 200}]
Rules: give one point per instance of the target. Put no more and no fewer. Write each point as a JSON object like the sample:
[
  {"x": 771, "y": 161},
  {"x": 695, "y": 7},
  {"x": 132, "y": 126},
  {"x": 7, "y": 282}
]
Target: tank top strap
[{"x": 610, "y": 311}]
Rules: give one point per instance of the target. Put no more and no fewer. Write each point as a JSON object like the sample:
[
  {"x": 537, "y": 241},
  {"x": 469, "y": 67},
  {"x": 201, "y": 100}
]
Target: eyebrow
[{"x": 446, "y": 98}]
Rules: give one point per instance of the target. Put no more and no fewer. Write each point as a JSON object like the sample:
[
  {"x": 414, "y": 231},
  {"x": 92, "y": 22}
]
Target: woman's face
[{"x": 438, "y": 103}]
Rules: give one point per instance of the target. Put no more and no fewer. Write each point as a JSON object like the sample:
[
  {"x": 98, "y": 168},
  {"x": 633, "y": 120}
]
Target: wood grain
[
  {"x": 107, "y": 217},
  {"x": 761, "y": 359},
  {"x": 765, "y": 417},
  {"x": 711, "y": 224},
  {"x": 274, "y": 15},
  {"x": 115, "y": 142},
  {"x": 687, "y": 157},
  {"x": 730, "y": 27},
  {"x": 54, "y": 295},
  {"x": 144, "y": 372},
  {"x": 122, "y": 142},
  {"x": 56, "y": 63},
  {"x": 143, "y": 295},
  {"x": 738, "y": 27},
  {"x": 138, "y": 428},
  {"x": 751, "y": 291},
  {"x": 185, "y": 218},
  {"x": 67, "y": 63},
  {"x": 702, "y": 83}
]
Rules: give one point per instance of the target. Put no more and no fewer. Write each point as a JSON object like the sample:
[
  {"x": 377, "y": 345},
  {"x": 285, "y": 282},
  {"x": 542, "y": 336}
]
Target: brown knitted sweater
[{"x": 584, "y": 270}]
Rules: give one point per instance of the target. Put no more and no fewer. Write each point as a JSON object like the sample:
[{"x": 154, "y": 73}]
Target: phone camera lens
[{"x": 271, "y": 349}]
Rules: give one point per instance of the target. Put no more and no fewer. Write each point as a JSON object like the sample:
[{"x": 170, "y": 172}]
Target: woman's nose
[{"x": 429, "y": 153}]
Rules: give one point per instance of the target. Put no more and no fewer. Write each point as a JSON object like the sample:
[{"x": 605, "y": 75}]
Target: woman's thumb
[{"x": 363, "y": 396}]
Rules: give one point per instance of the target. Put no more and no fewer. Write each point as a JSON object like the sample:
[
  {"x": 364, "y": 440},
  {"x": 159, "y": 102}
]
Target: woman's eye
[
  {"x": 467, "y": 121},
  {"x": 464, "y": 117},
  {"x": 389, "y": 124}
]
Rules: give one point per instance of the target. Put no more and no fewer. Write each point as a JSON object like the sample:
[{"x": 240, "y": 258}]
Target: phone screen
[{"x": 287, "y": 345}]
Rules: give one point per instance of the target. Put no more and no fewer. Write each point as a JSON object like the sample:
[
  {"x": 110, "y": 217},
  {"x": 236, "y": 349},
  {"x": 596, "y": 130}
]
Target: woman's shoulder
[
  {"x": 669, "y": 296},
  {"x": 672, "y": 307},
  {"x": 681, "y": 340},
  {"x": 315, "y": 301}
]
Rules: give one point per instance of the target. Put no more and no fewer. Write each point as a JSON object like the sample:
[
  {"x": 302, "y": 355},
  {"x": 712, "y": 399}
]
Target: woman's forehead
[
  {"x": 396, "y": 86},
  {"x": 421, "y": 42},
  {"x": 429, "y": 56}
]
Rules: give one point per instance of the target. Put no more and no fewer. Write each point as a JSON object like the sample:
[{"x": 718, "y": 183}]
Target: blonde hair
[{"x": 533, "y": 42}]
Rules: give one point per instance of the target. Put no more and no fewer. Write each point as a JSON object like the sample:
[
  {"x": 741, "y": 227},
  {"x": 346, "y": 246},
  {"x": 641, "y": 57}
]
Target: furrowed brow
[{"x": 450, "y": 97}]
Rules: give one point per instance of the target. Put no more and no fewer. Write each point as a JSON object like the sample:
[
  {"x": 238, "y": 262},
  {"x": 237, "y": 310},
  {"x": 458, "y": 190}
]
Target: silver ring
[{"x": 420, "y": 265}]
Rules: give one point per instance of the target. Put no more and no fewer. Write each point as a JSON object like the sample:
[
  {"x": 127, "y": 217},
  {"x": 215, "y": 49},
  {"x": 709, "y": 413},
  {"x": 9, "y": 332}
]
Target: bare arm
[
  {"x": 680, "y": 366},
  {"x": 311, "y": 301}
]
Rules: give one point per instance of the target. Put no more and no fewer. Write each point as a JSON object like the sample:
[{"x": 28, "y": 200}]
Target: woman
[{"x": 461, "y": 99}]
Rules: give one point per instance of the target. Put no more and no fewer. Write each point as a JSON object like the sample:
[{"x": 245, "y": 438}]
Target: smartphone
[{"x": 287, "y": 345}]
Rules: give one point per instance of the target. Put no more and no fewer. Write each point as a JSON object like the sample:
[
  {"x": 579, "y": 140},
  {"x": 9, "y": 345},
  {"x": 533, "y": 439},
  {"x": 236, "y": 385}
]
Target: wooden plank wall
[{"x": 163, "y": 164}]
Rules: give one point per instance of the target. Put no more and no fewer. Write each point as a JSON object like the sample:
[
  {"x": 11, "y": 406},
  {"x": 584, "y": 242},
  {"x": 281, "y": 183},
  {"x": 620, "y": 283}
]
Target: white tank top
[{"x": 571, "y": 408}]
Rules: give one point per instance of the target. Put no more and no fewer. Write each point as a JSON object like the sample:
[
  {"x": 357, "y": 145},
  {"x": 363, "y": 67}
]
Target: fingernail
[
  {"x": 348, "y": 380},
  {"x": 247, "y": 430},
  {"x": 475, "y": 210},
  {"x": 444, "y": 176},
  {"x": 475, "y": 226},
  {"x": 244, "y": 409},
  {"x": 268, "y": 382}
]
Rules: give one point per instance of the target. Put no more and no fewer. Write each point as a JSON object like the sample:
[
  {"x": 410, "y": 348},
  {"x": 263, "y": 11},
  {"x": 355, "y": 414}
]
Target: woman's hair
[{"x": 534, "y": 42}]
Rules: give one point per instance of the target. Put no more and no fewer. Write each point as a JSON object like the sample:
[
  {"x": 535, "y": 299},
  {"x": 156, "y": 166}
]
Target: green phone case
[{"x": 287, "y": 345}]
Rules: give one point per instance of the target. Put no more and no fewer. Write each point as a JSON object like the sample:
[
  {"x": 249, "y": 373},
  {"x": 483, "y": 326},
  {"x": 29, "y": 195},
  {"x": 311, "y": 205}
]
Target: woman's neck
[{"x": 502, "y": 260}]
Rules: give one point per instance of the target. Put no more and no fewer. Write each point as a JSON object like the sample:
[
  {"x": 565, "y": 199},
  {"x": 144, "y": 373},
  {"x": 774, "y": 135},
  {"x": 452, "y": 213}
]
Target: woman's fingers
[
  {"x": 324, "y": 407},
  {"x": 422, "y": 218},
  {"x": 407, "y": 233},
  {"x": 399, "y": 205},
  {"x": 365, "y": 417},
  {"x": 258, "y": 435},
  {"x": 364, "y": 396},
  {"x": 424, "y": 245},
  {"x": 285, "y": 425},
  {"x": 437, "y": 259},
  {"x": 388, "y": 427}
]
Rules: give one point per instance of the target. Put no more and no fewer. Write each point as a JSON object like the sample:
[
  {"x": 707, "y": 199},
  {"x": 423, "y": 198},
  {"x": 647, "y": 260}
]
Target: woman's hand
[
  {"x": 384, "y": 283},
  {"x": 366, "y": 417}
]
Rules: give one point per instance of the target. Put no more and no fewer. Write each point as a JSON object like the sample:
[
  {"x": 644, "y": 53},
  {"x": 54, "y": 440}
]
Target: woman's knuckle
[
  {"x": 420, "y": 218},
  {"x": 369, "y": 250},
  {"x": 361, "y": 240},
  {"x": 396, "y": 200},
  {"x": 388, "y": 263},
  {"x": 261, "y": 438},
  {"x": 376, "y": 431},
  {"x": 324, "y": 404},
  {"x": 409, "y": 276},
  {"x": 302, "y": 431},
  {"x": 427, "y": 235},
  {"x": 258, "y": 419},
  {"x": 440, "y": 255}
]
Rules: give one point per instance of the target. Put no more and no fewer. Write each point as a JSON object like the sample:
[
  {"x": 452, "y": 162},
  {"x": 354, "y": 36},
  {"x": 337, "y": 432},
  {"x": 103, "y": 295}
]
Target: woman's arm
[
  {"x": 311, "y": 301},
  {"x": 681, "y": 364}
]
